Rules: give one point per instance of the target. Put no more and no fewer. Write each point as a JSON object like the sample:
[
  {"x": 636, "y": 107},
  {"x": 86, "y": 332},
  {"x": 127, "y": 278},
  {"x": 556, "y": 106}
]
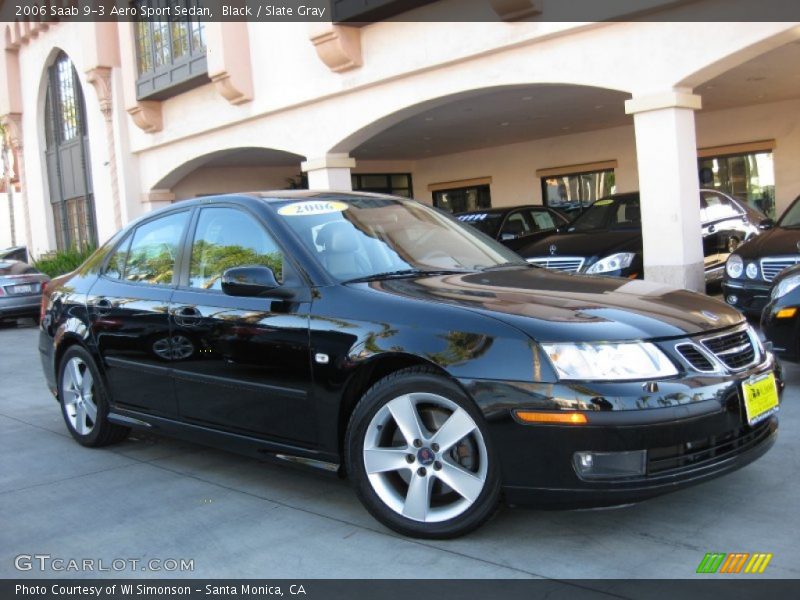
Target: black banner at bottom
[{"x": 391, "y": 589}]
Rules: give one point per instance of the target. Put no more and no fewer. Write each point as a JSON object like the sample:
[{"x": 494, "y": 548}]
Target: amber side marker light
[
  {"x": 567, "y": 418},
  {"x": 786, "y": 313}
]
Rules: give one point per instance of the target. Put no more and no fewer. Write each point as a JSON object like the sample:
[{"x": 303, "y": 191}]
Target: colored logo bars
[{"x": 737, "y": 562}]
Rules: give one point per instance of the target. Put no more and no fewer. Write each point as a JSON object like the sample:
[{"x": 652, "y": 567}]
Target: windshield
[
  {"x": 610, "y": 213},
  {"x": 488, "y": 223},
  {"x": 791, "y": 218},
  {"x": 370, "y": 237}
]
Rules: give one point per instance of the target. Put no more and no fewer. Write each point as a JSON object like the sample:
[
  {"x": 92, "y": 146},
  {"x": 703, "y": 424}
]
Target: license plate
[
  {"x": 760, "y": 398},
  {"x": 22, "y": 289}
]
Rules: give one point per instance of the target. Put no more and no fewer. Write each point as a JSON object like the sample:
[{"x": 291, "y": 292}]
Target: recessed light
[{"x": 504, "y": 124}]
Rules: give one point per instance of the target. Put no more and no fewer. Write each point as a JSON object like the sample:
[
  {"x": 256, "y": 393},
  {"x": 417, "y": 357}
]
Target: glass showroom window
[
  {"x": 458, "y": 200},
  {"x": 750, "y": 177},
  {"x": 573, "y": 192},
  {"x": 170, "y": 55},
  {"x": 397, "y": 184}
]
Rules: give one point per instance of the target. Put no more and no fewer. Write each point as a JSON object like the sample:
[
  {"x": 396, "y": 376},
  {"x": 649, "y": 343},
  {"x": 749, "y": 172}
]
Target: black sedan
[
  {"x": 515, "y": 226},
  {"x": 20, "y": 290},
  {"x": 751, "y": 269},
  {"x": 380, "y": 339},
  {"x": 780, "y": 319},
  {"x": 607, "y": 238}
]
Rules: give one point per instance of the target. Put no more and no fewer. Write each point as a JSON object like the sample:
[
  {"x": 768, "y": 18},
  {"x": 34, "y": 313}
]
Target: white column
[
  {"x": 666, "y": 151},
  {"x": 331, "y": 172}
]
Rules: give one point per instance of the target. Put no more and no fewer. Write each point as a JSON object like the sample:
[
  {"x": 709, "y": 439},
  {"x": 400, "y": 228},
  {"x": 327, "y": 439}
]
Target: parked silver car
[{"x": 20, "y": 290}]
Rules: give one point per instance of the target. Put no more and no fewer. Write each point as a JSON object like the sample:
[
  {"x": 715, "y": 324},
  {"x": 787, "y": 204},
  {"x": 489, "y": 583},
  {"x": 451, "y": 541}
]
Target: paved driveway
[{"x": 152, "y": 497}]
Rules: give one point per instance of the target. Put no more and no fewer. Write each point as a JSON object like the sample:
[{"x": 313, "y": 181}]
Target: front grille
[
  {"x": 695, "y": 357},
  {"x": 706, "y": 451},
  {"x": 770, "y": 267},
  {"x": 569, "y": 264},
  {"x": 735, "y": 349}
]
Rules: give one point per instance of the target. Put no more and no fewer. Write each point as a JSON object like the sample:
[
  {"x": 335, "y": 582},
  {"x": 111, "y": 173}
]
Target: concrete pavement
[{"x": 156, "y": 498}]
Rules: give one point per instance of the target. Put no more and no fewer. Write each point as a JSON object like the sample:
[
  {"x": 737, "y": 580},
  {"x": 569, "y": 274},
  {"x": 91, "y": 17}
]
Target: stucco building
[{"x": 110, "y": 120}]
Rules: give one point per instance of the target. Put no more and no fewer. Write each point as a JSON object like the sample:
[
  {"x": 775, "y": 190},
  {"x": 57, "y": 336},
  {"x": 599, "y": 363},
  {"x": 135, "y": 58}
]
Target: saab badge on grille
[
  {"x": 710, "y": 315},
  {"x": 552, "y": 249}
]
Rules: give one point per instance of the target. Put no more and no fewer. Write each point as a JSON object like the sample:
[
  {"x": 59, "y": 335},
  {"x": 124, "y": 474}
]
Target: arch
[
  {"x": 740, "y": 52},
  {"x": 366, "y": 129}
]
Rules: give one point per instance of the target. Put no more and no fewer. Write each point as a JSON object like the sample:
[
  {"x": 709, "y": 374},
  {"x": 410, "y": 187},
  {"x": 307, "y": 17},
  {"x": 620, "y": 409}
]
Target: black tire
[
  {"x": 425, "y": 381},
  {"x": 103, "y": 432}
]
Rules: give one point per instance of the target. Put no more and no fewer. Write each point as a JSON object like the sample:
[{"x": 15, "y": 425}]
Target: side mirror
[
  {"x": 253, "y": 281},
  {"x": 766, "y": 224}
]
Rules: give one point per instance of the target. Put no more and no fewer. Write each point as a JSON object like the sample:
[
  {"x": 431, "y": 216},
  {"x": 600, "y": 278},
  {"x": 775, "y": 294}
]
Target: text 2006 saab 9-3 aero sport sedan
[{"x": 383, "y": 339}]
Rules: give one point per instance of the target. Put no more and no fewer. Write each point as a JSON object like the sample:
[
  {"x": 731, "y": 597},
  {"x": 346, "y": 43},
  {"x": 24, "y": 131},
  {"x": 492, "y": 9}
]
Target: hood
[
  {"x": 551, "y": 306},
  {"x": 587, "y": 244},
  {"x": 777, "y": 241}
]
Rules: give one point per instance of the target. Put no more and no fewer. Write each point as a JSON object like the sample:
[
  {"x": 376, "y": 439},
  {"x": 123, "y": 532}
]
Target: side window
[
  {"x": 515, "y": 226},
  {"x": 717, "y": 207},
  {"x": 154, "y": 247},
  {"x": 542, "y": 220},
  {"x": 225, "y": 238},
  {"x": 116, "y": 263}
]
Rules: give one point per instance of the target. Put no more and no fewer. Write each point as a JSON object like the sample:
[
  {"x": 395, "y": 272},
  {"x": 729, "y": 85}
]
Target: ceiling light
[{"x": 504, "y": 124}]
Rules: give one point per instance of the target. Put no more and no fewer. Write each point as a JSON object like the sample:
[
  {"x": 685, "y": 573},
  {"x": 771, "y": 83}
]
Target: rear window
[{"x": 13, "y": 267}]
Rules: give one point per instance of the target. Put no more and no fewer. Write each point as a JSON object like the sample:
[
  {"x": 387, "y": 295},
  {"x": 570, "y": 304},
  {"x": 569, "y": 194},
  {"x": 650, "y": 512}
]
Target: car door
[
  {"x": 246, "y": 368},
  {"x": 128, "y": 314}
]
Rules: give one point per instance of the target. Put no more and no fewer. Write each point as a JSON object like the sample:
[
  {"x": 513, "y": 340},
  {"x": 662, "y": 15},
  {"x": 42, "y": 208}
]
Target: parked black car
[
  {"x": 376, "y": 337},
  {"x": 607, "y": 237},
  {"x": 515, "y": 226},
  {"x": 20, "y": 290},
  {"x": 751, "y": 269},
  {"x": 780, "y": 319}
]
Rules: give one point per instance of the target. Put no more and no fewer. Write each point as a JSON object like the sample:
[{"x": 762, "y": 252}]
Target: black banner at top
[{"x": 360, "y": 12}]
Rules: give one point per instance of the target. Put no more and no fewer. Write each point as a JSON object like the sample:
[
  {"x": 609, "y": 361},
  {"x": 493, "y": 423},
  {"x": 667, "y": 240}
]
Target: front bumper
[
  {"x": 692, "y": 429},
  {"x": 751, "y": 296}
]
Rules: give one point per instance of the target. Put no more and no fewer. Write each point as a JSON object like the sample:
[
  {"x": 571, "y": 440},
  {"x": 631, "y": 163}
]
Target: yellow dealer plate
[
  {"x": 760, "y": 398},
  {"x": 312, "y": 207}
]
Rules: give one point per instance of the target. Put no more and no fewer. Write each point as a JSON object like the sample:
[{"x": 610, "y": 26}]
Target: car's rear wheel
[
  {"x": 419, "y": 456},
  {"x": 84, "y": 400}
]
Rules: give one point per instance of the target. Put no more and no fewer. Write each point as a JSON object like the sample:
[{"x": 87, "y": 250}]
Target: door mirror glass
[
  {"x": 255, "y": 280},
  {"x": 766, "y": 224}
]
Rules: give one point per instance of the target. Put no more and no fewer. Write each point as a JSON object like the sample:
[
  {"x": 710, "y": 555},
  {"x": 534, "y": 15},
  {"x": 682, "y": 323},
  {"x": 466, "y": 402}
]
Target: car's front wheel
[
  {"x": 84, "y": 400},
  {"x": 418, "y": 453}
]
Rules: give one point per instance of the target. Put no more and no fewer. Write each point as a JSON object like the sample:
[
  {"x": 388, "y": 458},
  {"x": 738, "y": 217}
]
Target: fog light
[
  {"x": 610, "y": 465},
  {"x": 751, "y": 270},
  {"x": 732, "y": 299}
]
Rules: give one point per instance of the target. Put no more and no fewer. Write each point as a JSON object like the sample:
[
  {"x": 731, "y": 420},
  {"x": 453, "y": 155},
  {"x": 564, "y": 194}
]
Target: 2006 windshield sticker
[{"x": 311, "y": 207}]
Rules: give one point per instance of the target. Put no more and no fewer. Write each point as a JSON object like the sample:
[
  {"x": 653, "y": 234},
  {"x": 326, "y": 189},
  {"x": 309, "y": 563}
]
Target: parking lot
[{"x": 155, "y": 498}]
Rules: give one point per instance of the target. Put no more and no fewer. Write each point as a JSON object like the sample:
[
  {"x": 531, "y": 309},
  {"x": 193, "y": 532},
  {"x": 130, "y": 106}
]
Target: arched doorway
[{"x": 67, "y": 155}]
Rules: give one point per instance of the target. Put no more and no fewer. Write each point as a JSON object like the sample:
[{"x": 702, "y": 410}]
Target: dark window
[
  {"x": 67, "y": 157},
  {"x": 747, "y": 176},
  {"x": 458, "y": 200},
  {"x": 154, "y": 248},
  {"x": 170, "y": 55},
  {"x": 572, "y": 193},
  {"x": 225, "y": 238},
  {"x": 515, "y": 226},
  {"x": 397, "y": 184}
]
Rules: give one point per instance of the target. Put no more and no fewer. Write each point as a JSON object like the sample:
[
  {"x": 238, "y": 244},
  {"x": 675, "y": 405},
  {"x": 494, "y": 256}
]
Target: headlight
[
  {"x": 785, "y": 285},
  {"x": 615, "y": 262},
  {"x": 735, "y": 266},
  {"x": 751, "y": 270},
  {"x": 608, "y": 361}
]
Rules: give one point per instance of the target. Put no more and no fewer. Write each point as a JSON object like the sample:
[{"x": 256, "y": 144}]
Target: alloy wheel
[{"x": 77, "y": 385}]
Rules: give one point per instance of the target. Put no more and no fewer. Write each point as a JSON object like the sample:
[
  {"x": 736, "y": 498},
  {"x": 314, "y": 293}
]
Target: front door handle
[
  {"x": 186, "y": 315},
  {"x": 102, "y": 306}
]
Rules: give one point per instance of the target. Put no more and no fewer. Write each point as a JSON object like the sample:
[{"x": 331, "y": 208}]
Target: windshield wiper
[{"x": 404, "y": 273}]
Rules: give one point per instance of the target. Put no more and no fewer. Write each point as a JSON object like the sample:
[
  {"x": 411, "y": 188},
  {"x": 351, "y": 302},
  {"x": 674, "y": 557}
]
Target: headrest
[{"x": 339, "y": 236}]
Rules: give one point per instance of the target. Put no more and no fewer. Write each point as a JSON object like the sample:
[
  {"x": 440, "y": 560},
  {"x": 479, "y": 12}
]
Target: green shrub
[{"x": 64, "y": 261}]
